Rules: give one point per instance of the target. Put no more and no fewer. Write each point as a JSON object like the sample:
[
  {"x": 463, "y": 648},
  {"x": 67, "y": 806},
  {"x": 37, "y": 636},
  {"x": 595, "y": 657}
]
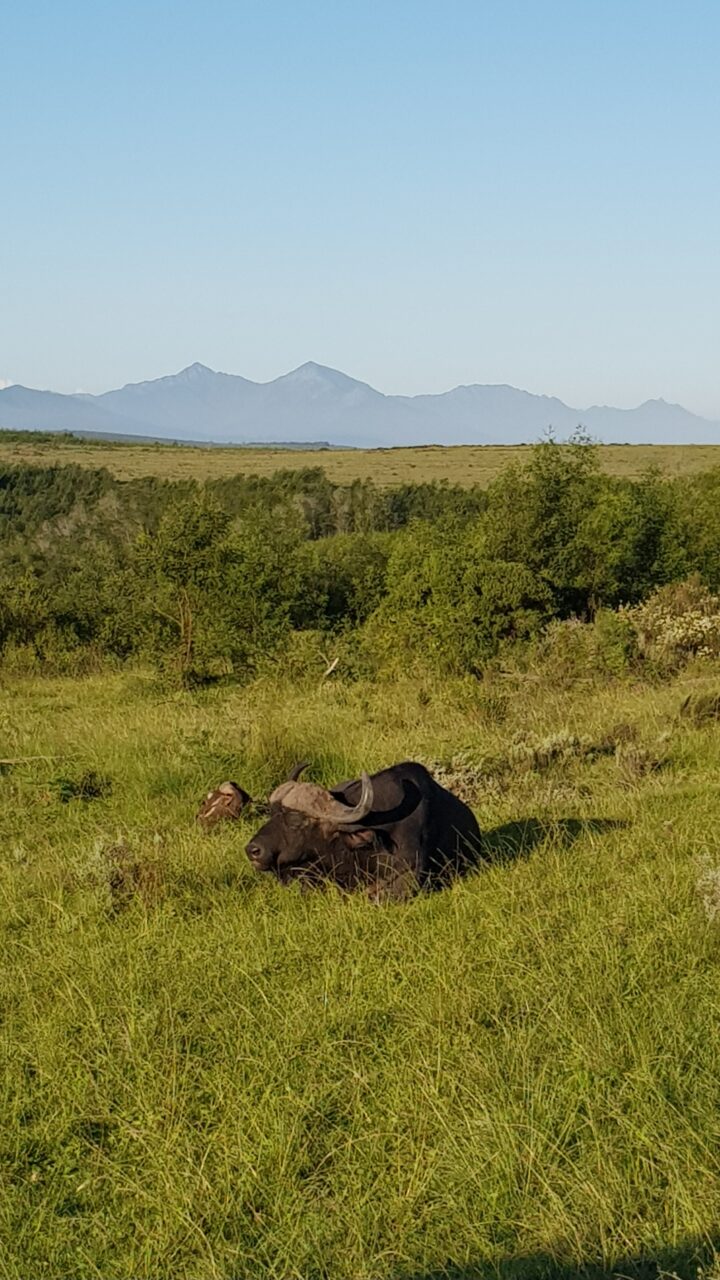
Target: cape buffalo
[{"x": 394, "y": 832}]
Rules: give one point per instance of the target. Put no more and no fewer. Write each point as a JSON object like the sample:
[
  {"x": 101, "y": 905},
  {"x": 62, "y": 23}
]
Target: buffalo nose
[{"x": 261, "y": 859}]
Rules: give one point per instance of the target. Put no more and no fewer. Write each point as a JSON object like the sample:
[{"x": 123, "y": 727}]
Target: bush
[
  {"x": 447, "y": 606},
  {"x": 339, "y": 581},
  {"x": 615, "y": 642},
  {"x": 678, "y": 622},
  {"x": 596, "y": 541},
  {"x": 574, "y": 650},
  {"x": 209, "y": 581}
]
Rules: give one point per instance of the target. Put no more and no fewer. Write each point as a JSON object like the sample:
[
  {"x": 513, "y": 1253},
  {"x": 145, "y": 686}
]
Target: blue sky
[{"x": 420, "y": 194}]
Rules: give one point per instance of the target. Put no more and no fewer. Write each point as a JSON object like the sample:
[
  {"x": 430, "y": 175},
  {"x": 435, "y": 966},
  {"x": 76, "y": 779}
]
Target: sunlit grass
[
  {"x": 460, "y": 464},
  {"x": 231, "y": 1079}
]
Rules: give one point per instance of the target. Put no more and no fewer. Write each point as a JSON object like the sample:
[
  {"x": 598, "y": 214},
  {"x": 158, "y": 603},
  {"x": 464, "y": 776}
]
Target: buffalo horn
[
  {"x": 307, "y": 797},
  {"x": 340, "y": 812},
  {"x": 296, "y": 770}
]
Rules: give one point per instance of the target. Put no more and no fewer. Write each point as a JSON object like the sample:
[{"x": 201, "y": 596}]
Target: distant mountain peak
[
  {"x": 195, "y": 370},
  {"x": 193, "y": 373},
  {"x": 315, "y": 402},
  {"x": 312, "y": 370}
]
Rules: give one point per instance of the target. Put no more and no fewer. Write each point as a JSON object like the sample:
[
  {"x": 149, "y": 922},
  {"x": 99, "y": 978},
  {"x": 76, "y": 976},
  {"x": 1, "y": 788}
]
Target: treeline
[{"x": 218, "y": 579}]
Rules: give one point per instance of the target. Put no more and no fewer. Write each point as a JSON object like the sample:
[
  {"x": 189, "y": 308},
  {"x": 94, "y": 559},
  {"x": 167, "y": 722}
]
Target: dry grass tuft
[
  {"x": 700, "y": 708},
  {"x": 130, "y": 876},
  {"x": 635, "y": 762},
  {"x": 708, "y": 886}
]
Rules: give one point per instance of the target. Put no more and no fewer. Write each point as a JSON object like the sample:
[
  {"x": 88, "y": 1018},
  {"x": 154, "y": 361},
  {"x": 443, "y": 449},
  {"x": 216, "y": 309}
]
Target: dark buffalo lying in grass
[{"x": 393, "y": 833}]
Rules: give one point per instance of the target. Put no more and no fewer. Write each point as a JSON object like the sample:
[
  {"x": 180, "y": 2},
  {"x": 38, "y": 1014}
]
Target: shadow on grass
[
  {"x": 686, "y": 1261},
  {"x": 518, "y": 839}
]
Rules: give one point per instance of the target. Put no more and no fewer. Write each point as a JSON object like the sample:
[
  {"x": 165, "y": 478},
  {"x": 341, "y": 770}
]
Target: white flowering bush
[
  {"x": 678, "y": 622},
  {"x": 467, "y": 775},
  {"x": 471, "y": 775}
]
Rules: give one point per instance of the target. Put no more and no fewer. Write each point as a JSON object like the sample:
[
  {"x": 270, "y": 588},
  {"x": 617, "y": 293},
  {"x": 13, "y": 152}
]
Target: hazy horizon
[
  {"x": 314, "y": 402},
  {"x": 82, "y": 391},
  {"x": 425, "y": 197}
]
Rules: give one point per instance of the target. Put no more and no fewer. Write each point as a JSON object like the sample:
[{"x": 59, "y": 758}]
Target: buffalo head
[{"x": 311, "y": 835}]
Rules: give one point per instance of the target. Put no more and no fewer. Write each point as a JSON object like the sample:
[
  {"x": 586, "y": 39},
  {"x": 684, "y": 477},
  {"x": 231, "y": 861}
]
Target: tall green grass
[{"x": 230, "y": 1079}]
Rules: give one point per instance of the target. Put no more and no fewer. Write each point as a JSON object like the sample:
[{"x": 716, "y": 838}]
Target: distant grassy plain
[
  {"x": 465, "y": 464},
  {"x": 221, "y": 1079}
]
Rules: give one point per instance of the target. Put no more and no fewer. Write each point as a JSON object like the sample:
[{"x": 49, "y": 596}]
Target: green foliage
[
  {"x": 615, "y": 640},
  {"x": 184, "y": 564},
  {"x": 306, "y": 492},
  {"x": 31, "y": 495},
  {"x": 340, "y": 580},
  {"x": 449, "y": 606},
  {"x": 570, "y": 650},
  {"x": 539, "y": 515},
  {"x": 216, "y": 589},
  {"x": 698, "y": 516},
  {"x": 9, "y": 436},
  {"x": 207, "y": 581},
  {"x": 501, "y": 601},
  {"x": 431, "y": 501},
  {"x": 595, "y": 540}
]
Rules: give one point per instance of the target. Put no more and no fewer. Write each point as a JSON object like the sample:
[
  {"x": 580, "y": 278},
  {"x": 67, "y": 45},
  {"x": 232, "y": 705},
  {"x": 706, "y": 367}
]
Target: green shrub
[
  {"x": 208, "y": 582},
  {"x": 339, "y": 581},
  {"x": 447, "y": 606},
  {"x": 574, "y": 650},
  {"x": 615, "y": 642}
]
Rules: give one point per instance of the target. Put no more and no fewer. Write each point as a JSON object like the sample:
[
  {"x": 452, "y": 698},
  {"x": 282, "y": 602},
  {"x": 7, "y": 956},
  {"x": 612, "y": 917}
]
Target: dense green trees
[
  {"x": 697, "y": 517},
  {"x": 210, "y": 581},
  {"x": 594, "y": 539},
  {"x": 447, "y": 605}
]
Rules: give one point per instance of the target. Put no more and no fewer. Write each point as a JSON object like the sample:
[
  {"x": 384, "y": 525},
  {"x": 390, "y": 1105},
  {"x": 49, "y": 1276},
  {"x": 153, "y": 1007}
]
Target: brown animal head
[
  {"x": 311, "y": 834},
  {"x": 226, "y": 801}
]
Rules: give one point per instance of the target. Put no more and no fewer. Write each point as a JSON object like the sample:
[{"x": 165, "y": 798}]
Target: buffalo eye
[{"x": 295, "y": 819}]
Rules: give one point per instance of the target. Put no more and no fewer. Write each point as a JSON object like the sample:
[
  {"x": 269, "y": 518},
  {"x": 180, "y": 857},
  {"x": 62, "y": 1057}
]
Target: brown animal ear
[{"x": 226, "y": 801}]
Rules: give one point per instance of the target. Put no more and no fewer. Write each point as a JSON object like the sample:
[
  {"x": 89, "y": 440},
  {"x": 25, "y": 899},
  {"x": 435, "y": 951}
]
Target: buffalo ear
[{"x": 359, "y": 839}]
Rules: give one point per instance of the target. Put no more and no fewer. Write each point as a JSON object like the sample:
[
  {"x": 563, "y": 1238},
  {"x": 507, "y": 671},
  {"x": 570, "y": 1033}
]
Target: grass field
[
  {"x": 204, "y": 1075},
  {"x": 471, "y": 464}
]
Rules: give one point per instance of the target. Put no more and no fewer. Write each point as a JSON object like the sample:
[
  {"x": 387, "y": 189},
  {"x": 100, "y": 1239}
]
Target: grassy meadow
[
  {"x": 460, "y": 464},
  {"x": 205, "y": 1076}
]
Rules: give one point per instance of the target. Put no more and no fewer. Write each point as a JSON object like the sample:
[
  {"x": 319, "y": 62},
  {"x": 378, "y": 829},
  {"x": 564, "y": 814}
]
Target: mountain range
[{"x": 314, "y": 403}]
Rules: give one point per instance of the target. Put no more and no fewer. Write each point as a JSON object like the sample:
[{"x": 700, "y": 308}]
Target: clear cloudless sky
[{"x": 418, "y": 193}]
